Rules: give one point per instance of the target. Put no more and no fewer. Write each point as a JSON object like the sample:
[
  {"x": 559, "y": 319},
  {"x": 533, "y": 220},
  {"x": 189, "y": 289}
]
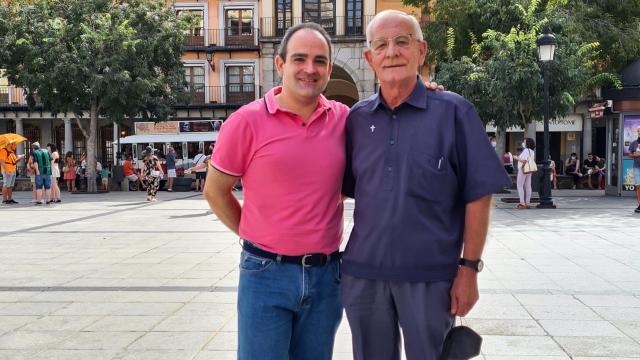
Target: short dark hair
[
  {"x": 531, "y": 144},
  {"x": 282, "y": 51},
  {"x": 52, "y": 147}
]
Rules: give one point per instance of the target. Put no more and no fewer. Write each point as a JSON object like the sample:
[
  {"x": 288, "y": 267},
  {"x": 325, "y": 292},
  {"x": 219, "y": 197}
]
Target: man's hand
[
  {"x": 464, "y": 292},
  {"x": 433, "y": 86}
]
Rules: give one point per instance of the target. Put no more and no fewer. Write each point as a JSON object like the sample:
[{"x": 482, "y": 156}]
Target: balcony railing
[
  {"x": 222, "y": 38},
  {"x": 227, "y": 95},
  {"x": 12, "y": 95},
  {"x": 335, "y": 26}
]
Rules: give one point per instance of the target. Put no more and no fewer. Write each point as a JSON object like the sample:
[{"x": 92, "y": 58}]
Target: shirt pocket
[{"x": 432, "y": 179}]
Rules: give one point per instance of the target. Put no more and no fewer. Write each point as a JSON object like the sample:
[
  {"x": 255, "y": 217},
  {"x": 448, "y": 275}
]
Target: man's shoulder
[
  {"x": 364, "y": 104},
  {"x": 449, "y": 98}
]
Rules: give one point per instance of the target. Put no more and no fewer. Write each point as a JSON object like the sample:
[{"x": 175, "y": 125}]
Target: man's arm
[
  {"x": 464, "y": 292},
  {"x": 217, "y": 192}
]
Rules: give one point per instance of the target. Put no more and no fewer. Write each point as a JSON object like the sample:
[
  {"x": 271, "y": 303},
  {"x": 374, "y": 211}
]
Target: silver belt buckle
[{"x": 304, "y": 260}]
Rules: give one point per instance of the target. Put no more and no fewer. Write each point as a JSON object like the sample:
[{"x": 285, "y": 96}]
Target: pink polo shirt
[{"x": 291, "y": 174}]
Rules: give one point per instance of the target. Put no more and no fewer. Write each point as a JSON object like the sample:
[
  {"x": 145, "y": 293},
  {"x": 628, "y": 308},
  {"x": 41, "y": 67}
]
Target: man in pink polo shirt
[{"x": 288, "y": 148}]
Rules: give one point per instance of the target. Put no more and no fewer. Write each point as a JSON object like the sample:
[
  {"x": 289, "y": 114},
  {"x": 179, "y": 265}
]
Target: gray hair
[{"x": 417, "y": 30}]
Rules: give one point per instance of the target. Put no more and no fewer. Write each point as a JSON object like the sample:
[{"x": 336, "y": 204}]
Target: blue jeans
[{"x": 286, "y": 311}]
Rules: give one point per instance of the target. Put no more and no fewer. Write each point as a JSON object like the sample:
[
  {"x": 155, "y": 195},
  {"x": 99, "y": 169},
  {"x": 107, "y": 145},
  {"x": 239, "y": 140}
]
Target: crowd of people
[{"x": 591, "y": 172}]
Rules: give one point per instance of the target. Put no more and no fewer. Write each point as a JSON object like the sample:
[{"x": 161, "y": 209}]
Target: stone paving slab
[{"x": 110, "y": 276}]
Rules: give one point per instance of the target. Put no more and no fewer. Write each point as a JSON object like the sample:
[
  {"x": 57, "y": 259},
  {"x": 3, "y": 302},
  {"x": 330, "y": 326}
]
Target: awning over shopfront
[{"x": 169, "y": 138}]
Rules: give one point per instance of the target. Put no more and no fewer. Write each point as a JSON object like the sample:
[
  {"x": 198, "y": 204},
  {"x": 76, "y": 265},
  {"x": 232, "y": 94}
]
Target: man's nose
[{"x": 392, "y": 50}]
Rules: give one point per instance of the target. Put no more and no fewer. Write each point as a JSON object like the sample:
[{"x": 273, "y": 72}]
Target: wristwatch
[{"x": 476, "y": 265}]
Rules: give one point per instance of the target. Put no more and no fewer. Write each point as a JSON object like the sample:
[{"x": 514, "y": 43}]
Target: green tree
[
  {"x": 490, "y": 57},
  {"x": 104, "y": 58}
]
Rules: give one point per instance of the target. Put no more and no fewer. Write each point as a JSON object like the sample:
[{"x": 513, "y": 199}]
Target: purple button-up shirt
[{"x": 412, "y": 170}]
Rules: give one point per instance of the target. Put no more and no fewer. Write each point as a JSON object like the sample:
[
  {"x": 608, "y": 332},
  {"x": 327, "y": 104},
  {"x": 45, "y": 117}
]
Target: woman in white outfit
[
  {"x": 524, "y": 180},
  {"x": 55, "y": 172}
]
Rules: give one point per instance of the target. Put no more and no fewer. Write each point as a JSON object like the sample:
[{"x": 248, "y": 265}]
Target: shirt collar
[
  {"x": 417, "y": 99},
  {"x": 273, "y": 106}
]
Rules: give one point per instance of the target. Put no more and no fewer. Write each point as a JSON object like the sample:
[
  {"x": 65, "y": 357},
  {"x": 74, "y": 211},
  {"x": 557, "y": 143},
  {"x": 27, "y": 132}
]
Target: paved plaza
[{"x": 110, "y": 276}]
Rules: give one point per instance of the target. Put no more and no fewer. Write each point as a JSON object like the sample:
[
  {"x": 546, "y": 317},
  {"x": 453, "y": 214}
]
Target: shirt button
[
  {"x": 392, "y": 142},
  {"x": 389, "y": 168},
  {"x": 393, "y": 116},
  {"x": 304, "y": 124}
]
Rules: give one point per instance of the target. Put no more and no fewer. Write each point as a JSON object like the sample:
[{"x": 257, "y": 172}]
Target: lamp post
[{"x": 546, "y": 50}]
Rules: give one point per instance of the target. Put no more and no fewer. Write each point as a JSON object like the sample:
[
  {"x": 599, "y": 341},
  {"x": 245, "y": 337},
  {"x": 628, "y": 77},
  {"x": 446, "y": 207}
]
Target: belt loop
[{"x": 278, "y": 258}]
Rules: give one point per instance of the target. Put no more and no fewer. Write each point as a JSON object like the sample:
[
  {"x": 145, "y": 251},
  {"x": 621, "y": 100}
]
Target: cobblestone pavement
[{"x": 110, "y": 276}]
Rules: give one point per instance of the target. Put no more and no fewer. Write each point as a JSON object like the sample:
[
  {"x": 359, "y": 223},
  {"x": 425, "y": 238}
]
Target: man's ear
[
  {"x": 369, "y": 57},
  {"x": 423, "y": 48},
  {"x": 279, "y": 65}
]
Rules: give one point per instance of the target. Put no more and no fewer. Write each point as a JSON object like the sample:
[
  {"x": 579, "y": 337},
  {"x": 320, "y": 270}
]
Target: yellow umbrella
[{"x": 11, "y": 138}]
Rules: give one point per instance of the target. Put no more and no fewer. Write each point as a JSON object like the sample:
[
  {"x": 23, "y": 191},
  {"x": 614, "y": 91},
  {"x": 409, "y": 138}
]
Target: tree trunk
[
  {"x": 501, "y": 136},
  {"x": 91, "y": 149},
  {"x": 530, "y": 130}
]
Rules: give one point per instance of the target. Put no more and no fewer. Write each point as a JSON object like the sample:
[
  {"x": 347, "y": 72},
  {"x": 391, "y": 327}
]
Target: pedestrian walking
[
  {"x": 151, "y": 173},
  {"x": 170, "y": 158},
  {"x": 422, "y": 172},
  {"x": 524, "y": 180},
  {"x": 55, "y": 173},
  {"x": 69, "y": 171}
]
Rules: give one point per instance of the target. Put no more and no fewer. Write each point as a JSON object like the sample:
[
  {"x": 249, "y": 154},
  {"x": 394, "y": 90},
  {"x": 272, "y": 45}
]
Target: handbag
[{"x": 530, "y": 166}]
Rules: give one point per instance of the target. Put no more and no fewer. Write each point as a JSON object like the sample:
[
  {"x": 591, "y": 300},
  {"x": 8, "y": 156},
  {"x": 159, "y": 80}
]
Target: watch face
[{"x": 480, "y": 265}]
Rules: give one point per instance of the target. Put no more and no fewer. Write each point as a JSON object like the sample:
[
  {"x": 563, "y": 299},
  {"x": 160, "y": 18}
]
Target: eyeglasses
[{"x": 380, "y": 44}]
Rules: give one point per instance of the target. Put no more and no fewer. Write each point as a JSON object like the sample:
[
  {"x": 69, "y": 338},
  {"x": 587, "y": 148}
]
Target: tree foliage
[
  {"x": 114, "y": 59},
  {"x": 486, "y": 51}
]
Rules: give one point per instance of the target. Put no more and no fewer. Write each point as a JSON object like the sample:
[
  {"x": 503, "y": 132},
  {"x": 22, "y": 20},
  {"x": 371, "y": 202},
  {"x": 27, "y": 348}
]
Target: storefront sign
[
  {"x": 597, "y": 110},
  {"x": 150, "y": 128},
  {"x": 627, "y": 175},
  {"x": 200, "y": 126},
  {"x": 569, "y": 123}
]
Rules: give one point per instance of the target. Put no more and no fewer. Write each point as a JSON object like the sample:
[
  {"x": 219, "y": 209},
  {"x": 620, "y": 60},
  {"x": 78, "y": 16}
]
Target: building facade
[{"x": 228, "y": 61}]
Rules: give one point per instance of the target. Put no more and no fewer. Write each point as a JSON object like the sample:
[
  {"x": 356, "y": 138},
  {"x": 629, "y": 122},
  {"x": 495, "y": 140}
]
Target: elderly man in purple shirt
[{"x": 422, "y": 172}]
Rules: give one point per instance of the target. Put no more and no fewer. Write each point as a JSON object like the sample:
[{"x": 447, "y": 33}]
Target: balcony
[
  {"x": 337, "y": 27},
  {"x": 199, "y": 39},
  {"x": 235, "y": 95},
  {"x": 10, "y": 95}
]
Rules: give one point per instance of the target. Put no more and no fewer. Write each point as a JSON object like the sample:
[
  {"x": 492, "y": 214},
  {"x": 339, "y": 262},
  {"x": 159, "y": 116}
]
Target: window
[
  {"x": 194, "y": 76},
  {"x": 4, "y": 88},
  {"x": 354, "y": 17},
  {"x": 239, "y": 26},
  {"x": 321, "y": 12},
  {"x": 240, "y": 84},
  {"x": 194, "y": 35},
  {"x": 283, "y": 16}
]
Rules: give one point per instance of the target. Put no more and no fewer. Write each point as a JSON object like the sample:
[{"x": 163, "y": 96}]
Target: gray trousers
[{"x": 376, "y": 310}]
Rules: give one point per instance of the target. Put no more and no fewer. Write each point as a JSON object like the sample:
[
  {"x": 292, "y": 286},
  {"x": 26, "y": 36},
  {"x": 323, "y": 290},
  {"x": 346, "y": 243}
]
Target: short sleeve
[
  {"x": 234, "y": 147},
  {"x": 480, "y": 172}
]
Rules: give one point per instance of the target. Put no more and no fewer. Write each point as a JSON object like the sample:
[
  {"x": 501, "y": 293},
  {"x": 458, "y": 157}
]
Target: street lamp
[{"x": 546, "y": 51}]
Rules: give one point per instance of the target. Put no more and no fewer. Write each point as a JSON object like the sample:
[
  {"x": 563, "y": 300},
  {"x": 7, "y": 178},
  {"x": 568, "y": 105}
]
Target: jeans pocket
[
  {"x": 253, "y": 263},
  {"x": 335, "y": 269}
]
